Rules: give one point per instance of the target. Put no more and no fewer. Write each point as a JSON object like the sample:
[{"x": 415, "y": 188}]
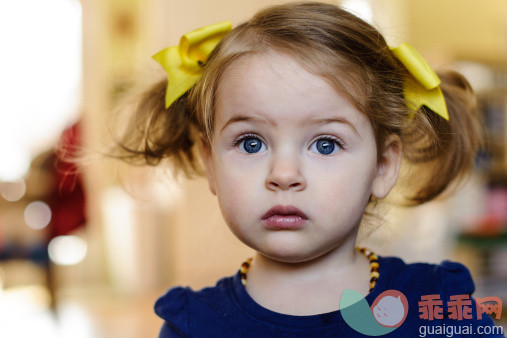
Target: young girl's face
[{"x": 292, "y": 162}]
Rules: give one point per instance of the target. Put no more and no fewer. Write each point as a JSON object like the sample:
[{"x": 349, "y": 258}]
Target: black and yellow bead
[
  {"x": 374, "y": 267},
  {"x": 244, "y": 269}
]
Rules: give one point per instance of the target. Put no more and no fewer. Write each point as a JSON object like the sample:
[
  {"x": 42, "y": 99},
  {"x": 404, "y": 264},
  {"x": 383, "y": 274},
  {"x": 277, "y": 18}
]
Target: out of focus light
[
  {"x": 361, "y": 8},
  {"x": 13, "y": 191},
  {"x": 67, "y": 250},
  {"x": 75, "y": 321},
  {"x": 15, "y": 158},
  {"x": 37, "y": 215},
  {"x": 40, "y": 65},
  {"x": 25, "y": 312}
]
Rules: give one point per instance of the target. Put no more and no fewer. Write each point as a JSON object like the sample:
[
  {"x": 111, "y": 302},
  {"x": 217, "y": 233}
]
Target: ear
[
  {"x": 207, "y": 155},
  {"x": 388, "y": 167}
]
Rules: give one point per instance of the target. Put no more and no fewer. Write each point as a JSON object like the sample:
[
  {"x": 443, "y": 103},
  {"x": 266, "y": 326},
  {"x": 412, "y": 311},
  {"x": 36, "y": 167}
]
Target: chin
[{"x": 289, "y": 253}]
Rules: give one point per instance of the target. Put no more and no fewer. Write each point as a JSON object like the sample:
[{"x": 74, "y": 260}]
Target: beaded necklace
[{"x": 374, "y": 267}]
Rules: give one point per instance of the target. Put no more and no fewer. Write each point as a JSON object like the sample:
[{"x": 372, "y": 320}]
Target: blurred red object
[
  {"x": 487, "y": 226},
  {"x": 67, "y": 199}
]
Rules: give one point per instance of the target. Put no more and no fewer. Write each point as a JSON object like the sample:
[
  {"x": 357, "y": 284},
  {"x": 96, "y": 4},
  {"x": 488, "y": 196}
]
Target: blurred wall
[{"x": 462, "y": 29}]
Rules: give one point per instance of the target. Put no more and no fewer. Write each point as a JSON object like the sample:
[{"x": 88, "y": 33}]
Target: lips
[
  {"x": 284, "y": 217},
  {"x": 285, "y": 210}
]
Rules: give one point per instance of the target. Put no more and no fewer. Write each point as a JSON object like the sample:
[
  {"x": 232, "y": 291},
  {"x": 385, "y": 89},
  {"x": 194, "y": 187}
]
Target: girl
[{"x": 303, "y": 116}]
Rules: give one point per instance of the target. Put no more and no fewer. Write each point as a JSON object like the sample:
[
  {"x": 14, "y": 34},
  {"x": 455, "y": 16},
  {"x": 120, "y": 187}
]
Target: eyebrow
[
  {"x": 336, "y": 120},
  {"x": 245, "y": 118}
]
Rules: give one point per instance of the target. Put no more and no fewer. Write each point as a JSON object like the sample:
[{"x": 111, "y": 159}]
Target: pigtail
[
  {"x": 441, "y": 152},
  {"x": 154, "y": 133}
]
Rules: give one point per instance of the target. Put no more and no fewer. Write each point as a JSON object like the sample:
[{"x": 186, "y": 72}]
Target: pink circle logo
[{"x": 390, "y": 308}]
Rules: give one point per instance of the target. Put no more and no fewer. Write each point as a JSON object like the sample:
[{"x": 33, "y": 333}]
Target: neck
[{"x": 309, "y": 287}]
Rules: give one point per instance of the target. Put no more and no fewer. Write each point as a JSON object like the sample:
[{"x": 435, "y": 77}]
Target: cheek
[
  {"x": 234, "y": 180},
  {"x": 344, "y": 178},
  {"x": 341, "y": 187},
  {"x": 237, "y": 189}
]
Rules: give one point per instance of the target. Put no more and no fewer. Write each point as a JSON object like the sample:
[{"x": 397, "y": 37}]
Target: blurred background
[{"x": 85, "y": 252}]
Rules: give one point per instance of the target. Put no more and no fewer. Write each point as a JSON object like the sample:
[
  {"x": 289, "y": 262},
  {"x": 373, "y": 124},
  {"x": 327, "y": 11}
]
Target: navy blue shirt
[{"x": 226, "y": 310}]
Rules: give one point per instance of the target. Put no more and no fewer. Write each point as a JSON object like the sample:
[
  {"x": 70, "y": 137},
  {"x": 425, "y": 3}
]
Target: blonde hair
[{"x": 354, "y": 58}]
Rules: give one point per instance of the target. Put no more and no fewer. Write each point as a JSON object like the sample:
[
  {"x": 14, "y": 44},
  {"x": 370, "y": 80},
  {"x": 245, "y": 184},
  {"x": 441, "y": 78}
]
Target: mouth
[{"x": 284, "y": 217}]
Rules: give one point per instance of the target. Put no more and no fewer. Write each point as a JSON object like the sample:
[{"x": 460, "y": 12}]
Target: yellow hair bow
[
  {"x": 424, "y": 87},
  {"x": 183, "y": 63}
]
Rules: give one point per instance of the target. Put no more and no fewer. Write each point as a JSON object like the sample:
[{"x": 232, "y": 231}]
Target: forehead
[
  {"x": 269, "y": 63},
  {"x": 273, "y": 69},
  {"x": 277, "y": 85}
]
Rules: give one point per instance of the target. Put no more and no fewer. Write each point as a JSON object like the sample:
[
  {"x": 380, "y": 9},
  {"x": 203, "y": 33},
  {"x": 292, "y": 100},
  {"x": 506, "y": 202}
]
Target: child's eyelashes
[
  {"x": 326, "y": 145},
  {"x": 252, "y": 144}
]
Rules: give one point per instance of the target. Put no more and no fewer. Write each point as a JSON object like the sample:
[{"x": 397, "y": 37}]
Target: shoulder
[
  {"x": 175, "y": 302},
  {"x": 179, "y": 304},
  {"x": 444, "y": 278},
  {"x": 173, "y": 308}
]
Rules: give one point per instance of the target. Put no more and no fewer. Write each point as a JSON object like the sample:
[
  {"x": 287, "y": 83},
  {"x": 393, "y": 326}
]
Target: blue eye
[
  {"x": 326, "y": 146},
  {"x": 251, "y": 145}
]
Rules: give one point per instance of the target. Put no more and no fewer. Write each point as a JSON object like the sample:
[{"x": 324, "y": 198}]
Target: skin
[{"x": 272, "y": 99}]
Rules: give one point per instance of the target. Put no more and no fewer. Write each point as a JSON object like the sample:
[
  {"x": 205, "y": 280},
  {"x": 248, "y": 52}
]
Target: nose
[{"x": 285, "y": 174}]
